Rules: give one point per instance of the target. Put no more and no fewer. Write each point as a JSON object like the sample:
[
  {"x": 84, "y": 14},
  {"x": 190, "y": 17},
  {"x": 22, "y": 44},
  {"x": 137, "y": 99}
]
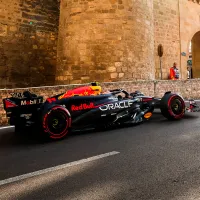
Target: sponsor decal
[
  {"x": 83, "y": 106},
  {"x": 17, "y": 95},
  {"x": 113, "y": 98},
  {"x": 146, "y": 99},
  {"x": 50, "y": 100},
  {"x": 27, "y": 116},
  {"x": 30, "y": 102},
  {"x": 117, "y": 105}
]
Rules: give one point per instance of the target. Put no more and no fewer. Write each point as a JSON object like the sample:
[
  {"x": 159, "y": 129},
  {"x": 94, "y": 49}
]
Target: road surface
[{"x": 158, "y": 160}]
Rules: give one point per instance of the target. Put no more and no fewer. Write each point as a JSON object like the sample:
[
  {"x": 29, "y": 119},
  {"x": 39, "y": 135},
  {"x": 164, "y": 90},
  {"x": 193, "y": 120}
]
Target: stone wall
[
  {"x": 108, "y": 40},
  {"x": 105, "y": 40},
  {"x": 166, "y": 31},
  {"x": 186, "y": 88},
  {"x": 189, "y": 26},
  {"x": 28, "y": 42}
]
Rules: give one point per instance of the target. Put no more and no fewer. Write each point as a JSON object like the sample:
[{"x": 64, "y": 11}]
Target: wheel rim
[
  {"x": 177, "y": 106},
  {"x": 57, "y": 122}
]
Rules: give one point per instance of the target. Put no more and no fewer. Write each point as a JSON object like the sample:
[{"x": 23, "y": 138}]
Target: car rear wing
[{"x": 21, "y": 100}]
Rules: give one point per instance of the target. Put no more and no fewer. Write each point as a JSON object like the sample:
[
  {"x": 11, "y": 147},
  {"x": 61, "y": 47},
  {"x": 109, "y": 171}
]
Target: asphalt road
[{"x": 156, "y": 160}]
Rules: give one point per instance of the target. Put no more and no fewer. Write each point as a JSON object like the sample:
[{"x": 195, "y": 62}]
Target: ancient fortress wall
[
  {"x": 176, "y": 22},
  {"x": 189, "y": 26},
  {"x": 166, "y": 23},
  {"x": 28, "y": 42},
  {"x": 107, "y": 40}
]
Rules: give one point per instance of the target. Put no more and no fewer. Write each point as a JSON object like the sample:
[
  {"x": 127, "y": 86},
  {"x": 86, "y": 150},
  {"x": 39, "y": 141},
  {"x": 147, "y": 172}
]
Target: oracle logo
[{"x": 117, "y": 105}]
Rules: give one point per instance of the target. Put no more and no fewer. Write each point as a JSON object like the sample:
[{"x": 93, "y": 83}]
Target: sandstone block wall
[
  {"x": 28, "y": 42},
  {"x": 107, "y": 40},
  {"x": 189, "y": 26},
  {"x": 186, "y": 88},
  {"x": 166, "y": 31}
]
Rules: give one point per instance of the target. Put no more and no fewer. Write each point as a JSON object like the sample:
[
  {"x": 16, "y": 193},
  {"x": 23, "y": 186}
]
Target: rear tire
[
  {"x": 56, "y": 122},
  {"x": 172, "y": 106}
]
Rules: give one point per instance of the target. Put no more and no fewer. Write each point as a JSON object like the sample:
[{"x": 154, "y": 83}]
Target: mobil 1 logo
[{"x": 31, "y": 102}]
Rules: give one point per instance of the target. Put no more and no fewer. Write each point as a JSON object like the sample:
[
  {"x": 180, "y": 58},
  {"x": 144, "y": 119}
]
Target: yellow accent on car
[
  {"x": 96, "y": 89},
  {"x": 60, "y": 97}
]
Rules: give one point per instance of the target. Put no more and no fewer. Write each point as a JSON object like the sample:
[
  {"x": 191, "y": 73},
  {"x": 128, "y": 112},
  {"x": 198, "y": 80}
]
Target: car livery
[{"x": 88, "y": 107}]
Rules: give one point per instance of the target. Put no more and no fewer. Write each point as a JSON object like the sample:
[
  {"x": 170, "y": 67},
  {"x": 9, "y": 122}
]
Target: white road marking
[
  {"x": 6, "y": 127},
  {"x": 51, "y": 169}
]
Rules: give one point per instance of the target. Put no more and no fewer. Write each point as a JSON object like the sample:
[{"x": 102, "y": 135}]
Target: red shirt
[{"x": 172, "y": 74}]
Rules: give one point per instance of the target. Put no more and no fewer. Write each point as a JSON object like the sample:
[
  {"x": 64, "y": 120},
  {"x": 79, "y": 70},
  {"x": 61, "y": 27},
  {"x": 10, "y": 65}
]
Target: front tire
[
  {"x": 56, "y": 122},
  {"x": 172, "y": 106}
]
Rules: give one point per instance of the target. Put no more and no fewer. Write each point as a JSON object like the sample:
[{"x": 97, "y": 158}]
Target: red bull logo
[{"x": 82, "y": 107}]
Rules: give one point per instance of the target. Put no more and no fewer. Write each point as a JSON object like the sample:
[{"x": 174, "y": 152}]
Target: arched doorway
[
  {"x": 189, "y": 62},
  {"x": 194, "y": 56}
]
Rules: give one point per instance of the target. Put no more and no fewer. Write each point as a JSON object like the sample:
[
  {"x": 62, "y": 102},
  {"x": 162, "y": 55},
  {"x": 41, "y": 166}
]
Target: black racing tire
[
  {"x": 172, "y": 106},
  {"x": 56, "y": 122}
]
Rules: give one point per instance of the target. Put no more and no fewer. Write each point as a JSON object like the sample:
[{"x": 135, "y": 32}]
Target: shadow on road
[
  {"x": 191, "y": 116},
  {"x": 9, "y": 138},
  {"x": 152, "y": 177},
  {"x": 105, "y": 179}
]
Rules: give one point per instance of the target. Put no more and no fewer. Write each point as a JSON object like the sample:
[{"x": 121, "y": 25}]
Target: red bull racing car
[{"x": 88, "y": 107}]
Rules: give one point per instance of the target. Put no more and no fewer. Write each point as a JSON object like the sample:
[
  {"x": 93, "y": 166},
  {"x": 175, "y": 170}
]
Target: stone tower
[{"x": 105, "y": 40}]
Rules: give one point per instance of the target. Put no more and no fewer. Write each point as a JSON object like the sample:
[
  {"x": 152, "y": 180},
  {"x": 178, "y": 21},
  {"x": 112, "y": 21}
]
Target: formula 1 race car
[{"x": 88, "y": 107}]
